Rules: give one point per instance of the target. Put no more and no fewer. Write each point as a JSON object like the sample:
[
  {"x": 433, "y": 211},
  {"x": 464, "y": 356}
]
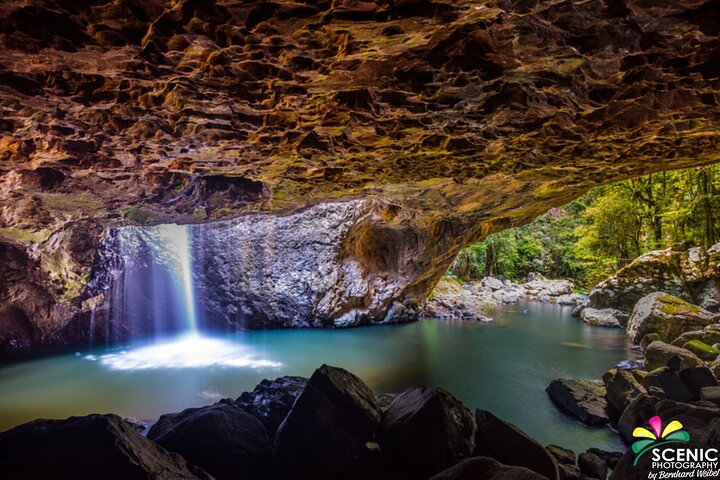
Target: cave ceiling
[{"x": 149, "y": 111}]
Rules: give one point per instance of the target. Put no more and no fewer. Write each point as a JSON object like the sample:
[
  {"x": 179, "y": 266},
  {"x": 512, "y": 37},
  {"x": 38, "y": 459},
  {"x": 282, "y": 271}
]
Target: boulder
[
  {"x": 702, "y": 349},
  {"x": 607, "y": 317},
  {"x": 592, "y": 465},
  {"x": 577, "y": 311},
  {"x": 621, "y": 389},
  {"x": 666, "y": 315},
  {"x": 583, "y": 399},
  {"x": 637, "y": 413},
  {"x": 658, "y": 270},
  {"x": 327, "y": 426},
  {"x": 509, "y": 445},
  {"x": 428, "y": 429},
  {"x": 709, "y": 296},
  {"x": 271, "y": 400},
  {"x": 88, "y": 448},
  {"x": 648, "y": 339},
  {"x": 710, "y": 394},
  {"x": 673, "y": 386},
  {"x": 492, "y": 283},
  {"x": 611, "y": 458},
  {"x": 715, "y": 368},
  {"x": 658, "y": 353},
  {"x": 485, "y": 468},
  {"x": 562, "y": 456},
  {"x": 697, "y": 378},
  {"x": 374, "y": 464},
  {"x": 709, "y": 335},
  {"x": 222, "y": 438},
  {"x": 569, "y": 472}
]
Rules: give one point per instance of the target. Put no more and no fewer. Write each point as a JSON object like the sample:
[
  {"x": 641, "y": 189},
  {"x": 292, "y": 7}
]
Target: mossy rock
[
  {"x": 648, "y": 339},
  {"x": 667, "y": 316},
  {"x": 658, "y": 353},
  {"x": 702, "y": 349}
]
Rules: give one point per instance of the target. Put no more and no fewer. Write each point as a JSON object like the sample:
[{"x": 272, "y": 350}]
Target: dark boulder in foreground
[
  {"x": 271, "y": 400},
  {"x": 484, "y": 468},
  {"x": 327, "y": 427},
  {"x": 88, "y": 448},
  {"x": 428, "y": 429},
  {"x": 592, "y": 465},
  {"x": 583, "y": 399},
  {"x": 221, "y": 438},
  {"x": 508, "y": 444}
]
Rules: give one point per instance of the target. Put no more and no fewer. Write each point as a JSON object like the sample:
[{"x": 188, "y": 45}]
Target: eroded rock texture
[{"x": 460, "y": 117}]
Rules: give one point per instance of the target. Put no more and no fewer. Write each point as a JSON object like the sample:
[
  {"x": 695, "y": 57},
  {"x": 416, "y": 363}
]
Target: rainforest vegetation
[{"x": 595, "y": 235}]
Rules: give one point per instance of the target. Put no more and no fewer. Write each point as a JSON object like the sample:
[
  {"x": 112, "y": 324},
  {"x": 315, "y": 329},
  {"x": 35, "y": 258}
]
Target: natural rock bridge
[{"x": 363, "y": 143}]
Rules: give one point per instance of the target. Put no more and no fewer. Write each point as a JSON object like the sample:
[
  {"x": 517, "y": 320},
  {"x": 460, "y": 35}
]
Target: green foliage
[{"x": 592, "y": 237}]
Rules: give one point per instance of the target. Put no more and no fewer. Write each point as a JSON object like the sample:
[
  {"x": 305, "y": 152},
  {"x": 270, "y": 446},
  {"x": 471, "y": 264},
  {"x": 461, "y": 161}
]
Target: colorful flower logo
[{"x": 650, "y": 439}]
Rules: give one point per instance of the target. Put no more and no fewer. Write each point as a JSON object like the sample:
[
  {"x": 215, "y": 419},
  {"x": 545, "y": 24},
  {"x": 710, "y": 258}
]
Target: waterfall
[
  {"x": 152, "y": 291},
  {"x": 151, "y": 294},
  {"x": 178, "y": 239}
]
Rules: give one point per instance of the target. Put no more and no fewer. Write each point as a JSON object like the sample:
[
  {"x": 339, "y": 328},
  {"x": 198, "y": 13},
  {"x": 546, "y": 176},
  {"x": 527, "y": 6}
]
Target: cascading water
[
  {"x": 152, "y": 295},
  {"x": 152, "y": 291}
]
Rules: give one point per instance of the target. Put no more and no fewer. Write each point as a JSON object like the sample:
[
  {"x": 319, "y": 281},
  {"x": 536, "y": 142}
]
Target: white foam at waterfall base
[{"x": 188, "y": 351}]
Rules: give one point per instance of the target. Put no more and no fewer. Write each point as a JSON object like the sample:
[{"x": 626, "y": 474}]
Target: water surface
[{"x": 502, "y": 366}]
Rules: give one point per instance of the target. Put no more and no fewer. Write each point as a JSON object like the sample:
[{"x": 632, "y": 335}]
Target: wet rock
[
  {"x": 607, "y": 317},
  {"x": 592, "y": 465},
  {"x": 710, "y": 394},
  {"x": 577, "y": 311},
  {"x": 428, "y": 429},
  {"x": 696, "y": 379},
  {"x": 509, "y": 445},
  {"x": 702, "y": 349},
  {"x": 327, "y": 426},
  {"x": 658, "y": 353},
  {"x": 222, "y": 438},
  {"x": 583, "y": 399},
  {"x": 311, "y": 279},
  {"x": 569, "y": 472},
  {"x": 640, "y": 409},
  {"x": 667, "y": 316},
  {"x": 674, "y": 387},
  {"x": 621, "y": 389},
  {"x": 611, "y": 459},
  {"x": 88, "y": 448},
  {"x": 384, "y": 400},
  {"x": 271, "y": 400},
  {"x": 487, "y": 469},
  {"x": 709, "y": 335},
  {"x": 562, "y": 455}
]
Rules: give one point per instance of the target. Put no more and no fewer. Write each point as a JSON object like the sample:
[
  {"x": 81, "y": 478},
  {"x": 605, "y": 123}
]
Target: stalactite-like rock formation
[{"x": 447, "y": 119}]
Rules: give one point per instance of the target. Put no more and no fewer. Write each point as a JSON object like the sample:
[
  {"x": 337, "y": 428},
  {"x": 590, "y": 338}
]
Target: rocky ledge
[
  {"x": 454, "y": 300},
  {"x": 330, "y": 426},
  {"x": 457, "y": 118},
  {"x": 678, "y": 377}
]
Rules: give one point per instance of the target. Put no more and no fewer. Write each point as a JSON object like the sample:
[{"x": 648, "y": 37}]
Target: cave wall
[{"x": 447, "y": 120}]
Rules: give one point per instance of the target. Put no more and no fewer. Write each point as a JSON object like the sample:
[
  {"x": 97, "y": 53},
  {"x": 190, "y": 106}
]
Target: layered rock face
[{"x": 457, "y": 118}]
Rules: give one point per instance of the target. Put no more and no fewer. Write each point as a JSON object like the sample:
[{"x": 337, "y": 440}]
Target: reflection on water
[
  {"x": 503, "y": 366},
  {"x": 188, "y": 351}
]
